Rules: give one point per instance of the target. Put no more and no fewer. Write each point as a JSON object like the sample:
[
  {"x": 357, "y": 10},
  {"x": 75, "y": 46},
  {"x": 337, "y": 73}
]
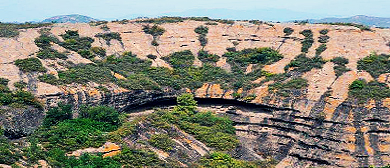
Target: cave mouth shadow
[{"x": 166, "y": 102}]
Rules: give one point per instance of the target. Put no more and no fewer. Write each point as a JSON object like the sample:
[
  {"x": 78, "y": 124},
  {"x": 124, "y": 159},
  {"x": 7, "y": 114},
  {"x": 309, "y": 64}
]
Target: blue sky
[{"x": 36, "y": 10}]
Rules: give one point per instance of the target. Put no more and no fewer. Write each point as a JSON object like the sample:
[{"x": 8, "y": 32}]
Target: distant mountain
[
  {"x": 75, "y": 18},
  {"x": 359, "y": 19}
]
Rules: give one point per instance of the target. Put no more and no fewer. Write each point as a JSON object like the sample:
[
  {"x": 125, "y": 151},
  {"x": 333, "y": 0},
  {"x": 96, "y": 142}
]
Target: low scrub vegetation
[
  {"x": 30, "y": 65},
  {"x": 18, "y": 98},
  {"x": 155, "y": 31},
  {"x": 320, "y": 49},
  {"x": 202, "y": 31},
  {"x": 360, "y": 26},
  {"x": 375, "y": 64},
  {"x": 204, "y": 56},
  {"x": 109, "y": 36},
  {"x": 307, "y": 41},
  {"x": 340, "y": 67},
  {"x": 10, "y": 30},
  {"x": 50, "y": 54},
  {"x": 362, "y": 91},
  {"x": 301, "y": 63},
  {"x": 288, "y": 31}
]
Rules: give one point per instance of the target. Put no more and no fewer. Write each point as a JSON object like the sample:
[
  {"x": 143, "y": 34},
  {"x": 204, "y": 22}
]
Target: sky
[{"x": 36, "y": 10}]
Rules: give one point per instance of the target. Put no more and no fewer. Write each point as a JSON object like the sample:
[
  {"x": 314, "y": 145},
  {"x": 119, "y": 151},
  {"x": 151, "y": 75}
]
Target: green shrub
[
  {"x": 151, "y": 56},
  {"x": 34, "y": 152},
  {"x": 162, "y": 20},
  {"x": 74, "y": 42},
  {"x": 323, "y": 39},
  {"x": 301, "y": 63},
  {"x": 4, "y": 81},
  {"x": 25, "y": 98},
  {"x": 360, "y": 26},
  {"x": 211, "y": 23},
  {"x": 50, "y": 54},
  {"x": 8, "y": 154},
  {"x": 324, "y": 31},
  {"x": 375, "y": 64},
  {"x": 340, "y": 60},
  {"x": 155, "y": 30},
  {"x": 340, "y": 67},
  {"x": 139, "y": 82},
  {"x": 288, "y": 31},
  {"x": 307, "y": 41},
  {"x": 183, "y": 59},
  {"x": 109, "y": 36},
  {"x": 18, "y": 98},
  {"x": 20, "y": 85},
  {"x": 70, "y": 135},
  {"x": 140, "y": 158},
  {"x": 58, "y": 114},
  {"x": 320, "y": 49},
  {"x": 30, "y": 65},
  {"x": 101, "y": 114},
  {"x": 85, "y": 73},
  {"x": 253, "y": 56},
  {"x": 12, "y": 29},
  {"x": 50, "y": 79},
  {"x": 206, "y": 57},
  {"x": 219, "y": 159},
  {"x": 44, "y": 41},
  {"x": 86, "y": 54},
  {"x": 340, "y": 70},
  {"x": 99, "y": 51},
  {"x": 202, "y": 30},
  {"x": 162, "y": 141},
  {"x": 363, "y": 91}
]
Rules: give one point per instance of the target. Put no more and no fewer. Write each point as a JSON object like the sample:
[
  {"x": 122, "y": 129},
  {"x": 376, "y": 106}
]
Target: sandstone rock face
[{"x": 347, "y": 135}]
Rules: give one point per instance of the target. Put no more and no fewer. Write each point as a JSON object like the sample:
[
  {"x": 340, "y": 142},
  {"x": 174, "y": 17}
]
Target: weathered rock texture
[{"x": 347, "y": 135}]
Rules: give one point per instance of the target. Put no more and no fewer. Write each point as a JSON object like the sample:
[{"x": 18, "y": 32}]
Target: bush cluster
[
  {"x": 202, "y": 31},
  {"x": 340, "y": 67},
  {"x": 74, "y": 42},
  {"x": 204, "y": 56},
  {"x": 323, "y": 39},
  {"x": 320, "y": 49},
  {"x": 30, "y": 65},
  {"x": 307, "y": 41},
  {"x": 162, "y": 141},
  {"x": 50, "y": 54},
  {"x": 12, "y": 29},
  {"x": 155, "y": 31},
  {"x": 288, "y": 31},
  {"x": 220, "y": 159},
  {"x": 109, "y": 36},
  {"x": 16, "y": 99},
  {"x": 301, "y": 63},
  {"x": 363, "y": 91},
  {"x": 360, "y": 26},
  {"x": 375, "y": 64}
]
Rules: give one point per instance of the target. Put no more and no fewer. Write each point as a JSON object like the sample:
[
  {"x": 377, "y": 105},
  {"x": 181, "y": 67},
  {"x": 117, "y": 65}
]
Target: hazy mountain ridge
[
  {"x": 74, "y": 18},
  {"x": 359, "y": 19}
]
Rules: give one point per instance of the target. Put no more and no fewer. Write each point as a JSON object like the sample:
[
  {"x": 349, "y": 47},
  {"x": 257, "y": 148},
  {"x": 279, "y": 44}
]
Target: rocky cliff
[{"x": 318, "y": 124}]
